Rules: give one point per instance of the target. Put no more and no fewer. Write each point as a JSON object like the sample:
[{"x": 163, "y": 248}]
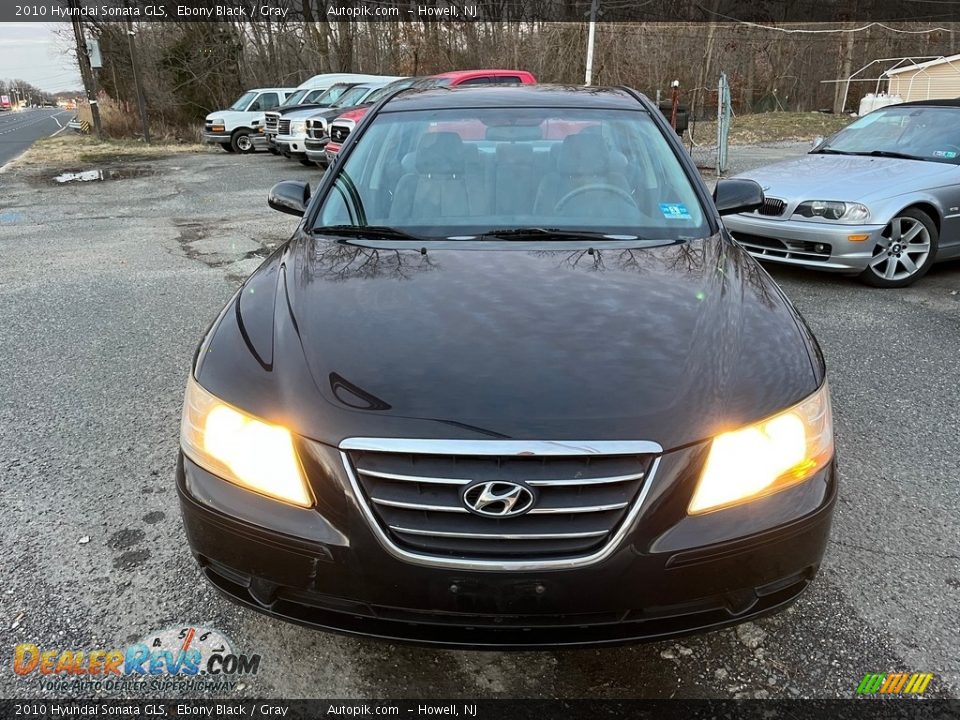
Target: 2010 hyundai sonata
[{"x": 509, "y": 384}]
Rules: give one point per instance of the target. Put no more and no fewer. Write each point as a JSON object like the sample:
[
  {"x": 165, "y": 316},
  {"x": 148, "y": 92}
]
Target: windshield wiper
[
  {"x": 830, "y": 151},
  {"x": 539, "y": 233},
  {"x": 369, "y": 232},
  {"x": 891, "y": 154}
]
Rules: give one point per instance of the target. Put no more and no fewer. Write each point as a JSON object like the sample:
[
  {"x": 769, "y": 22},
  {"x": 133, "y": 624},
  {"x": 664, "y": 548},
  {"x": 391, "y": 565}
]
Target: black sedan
[{"x": 510, "y": 384}]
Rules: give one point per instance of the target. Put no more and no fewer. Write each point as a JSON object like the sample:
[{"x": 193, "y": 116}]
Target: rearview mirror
[
  {"x": 737, "y": 196},
  {"x": 289, "y": 196}
]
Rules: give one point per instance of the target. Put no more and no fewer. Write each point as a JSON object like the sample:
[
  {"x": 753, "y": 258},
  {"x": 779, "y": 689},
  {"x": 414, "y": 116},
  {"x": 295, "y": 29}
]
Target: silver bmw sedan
[{"x": 880, "y": 199}]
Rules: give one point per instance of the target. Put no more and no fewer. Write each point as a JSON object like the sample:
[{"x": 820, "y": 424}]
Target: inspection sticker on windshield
[
  {"x": 675, "y": 211},
  {"x": 949, "y": 154}
]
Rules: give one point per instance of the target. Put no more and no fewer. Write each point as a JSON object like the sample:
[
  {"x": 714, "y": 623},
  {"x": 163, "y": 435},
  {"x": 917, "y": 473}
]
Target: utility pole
[
  {"x": 141, "y": 102},
  {"x": 591, "y": 35},
  {"x": 89, "y": 81}
]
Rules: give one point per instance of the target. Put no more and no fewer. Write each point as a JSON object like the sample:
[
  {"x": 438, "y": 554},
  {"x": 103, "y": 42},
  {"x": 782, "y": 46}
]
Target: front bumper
[
  {"x": 217, "y": 138},
  {"x": 672, "y": 575},
  {"x": 316, "y": 149},
  {"x": 293, "y": 144},
  {"x": 796, "y": 242}
]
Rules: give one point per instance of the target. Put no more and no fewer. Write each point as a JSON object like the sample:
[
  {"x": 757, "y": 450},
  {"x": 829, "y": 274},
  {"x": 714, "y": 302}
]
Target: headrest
[
  {"x": 508, "y": 153},
  {"x": 514, "y": 133},
  {"x": 583, "y": 154},
  {"x": 440, "y": 153}
]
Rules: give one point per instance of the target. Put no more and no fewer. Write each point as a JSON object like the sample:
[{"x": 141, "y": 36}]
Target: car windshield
[
  {"x": 515, "y": 173},
  {"x": 378, "y": 95},
  {"x": 330, "y": 95},
  {"x": 915, "y": 132},
  {"x": 351, "y": 96},
  {"x": 243, "y": 101},
  {"x": 294, "y": 99}
]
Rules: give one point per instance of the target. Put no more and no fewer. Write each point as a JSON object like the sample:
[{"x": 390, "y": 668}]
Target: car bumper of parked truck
[
  {"x": 291, "y": 144},
  {"x": 821, "y": 245},
  {"x": 216, "y": 138},
  {"x": 671, "y": 575},
  {"x": 316, "y": 149}
]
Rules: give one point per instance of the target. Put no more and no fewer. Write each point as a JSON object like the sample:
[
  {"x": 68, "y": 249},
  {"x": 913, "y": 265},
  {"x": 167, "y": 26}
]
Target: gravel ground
[{"x": 106, "y": 287}]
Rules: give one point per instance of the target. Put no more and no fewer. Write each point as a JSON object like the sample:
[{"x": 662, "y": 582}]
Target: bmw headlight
[
  {"x": 767, "y": 456},
  {"x": 833, "y": 210},
  {"x": 240, "y": 448},
  {"x": 298, "y": 127}
]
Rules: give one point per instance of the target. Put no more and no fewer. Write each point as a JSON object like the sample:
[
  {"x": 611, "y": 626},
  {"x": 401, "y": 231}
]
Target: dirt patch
[
  {"x": 771, "y": 127},
  {"x": 68, "y": 151}
]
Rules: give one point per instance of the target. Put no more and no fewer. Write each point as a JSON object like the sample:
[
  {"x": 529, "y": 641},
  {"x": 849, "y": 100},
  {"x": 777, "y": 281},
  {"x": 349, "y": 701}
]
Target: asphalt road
[
  {"x": 19, "y": 130},
  {"x": 107, "y": 286}
]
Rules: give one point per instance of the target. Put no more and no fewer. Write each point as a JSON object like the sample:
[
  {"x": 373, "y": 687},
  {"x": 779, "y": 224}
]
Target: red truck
[{"x": 341, "y": 127}]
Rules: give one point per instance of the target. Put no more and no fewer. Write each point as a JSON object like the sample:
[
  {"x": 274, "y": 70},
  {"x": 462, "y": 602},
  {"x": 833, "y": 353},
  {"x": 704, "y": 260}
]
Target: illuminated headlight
[
  {"x": 833, "y": 210},
  {"x": 768, "y": 456},
  {"x": 240, "y": 448},
  {"x": 298, "y": 127}
]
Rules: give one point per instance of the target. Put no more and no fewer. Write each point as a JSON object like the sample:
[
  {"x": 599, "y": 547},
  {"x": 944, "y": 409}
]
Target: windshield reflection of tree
[{"x": 340, "y": 261}]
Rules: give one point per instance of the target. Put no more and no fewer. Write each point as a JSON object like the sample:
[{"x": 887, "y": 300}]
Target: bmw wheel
[{"x": 905, "y": 251}]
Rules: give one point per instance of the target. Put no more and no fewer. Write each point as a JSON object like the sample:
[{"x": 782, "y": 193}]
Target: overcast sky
[{"x": 37, "y": 53}]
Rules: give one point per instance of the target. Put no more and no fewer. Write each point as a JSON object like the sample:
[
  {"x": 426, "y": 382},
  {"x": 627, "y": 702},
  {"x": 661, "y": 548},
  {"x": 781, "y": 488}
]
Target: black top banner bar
[
  {"x": 928, "y": 12},
  {"x": 266, "y": 709}
]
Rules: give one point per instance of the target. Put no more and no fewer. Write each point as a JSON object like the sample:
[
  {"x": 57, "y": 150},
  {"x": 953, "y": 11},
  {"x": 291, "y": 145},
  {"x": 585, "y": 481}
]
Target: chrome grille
[
  {"x": 772, "y": 206},
  {"x": 270, "y": 121},
  {"x": 338, "y": 133},
  {"x": 581, "y": 501},
  {"x": 283, "y": 126},
  {"x": 316, "y": 129}
]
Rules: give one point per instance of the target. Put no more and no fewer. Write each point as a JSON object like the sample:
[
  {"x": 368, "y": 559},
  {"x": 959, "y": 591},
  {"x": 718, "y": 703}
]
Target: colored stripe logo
[{"x": 894, "y": 683}]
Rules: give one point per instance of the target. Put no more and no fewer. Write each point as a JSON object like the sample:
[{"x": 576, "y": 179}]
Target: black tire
[
  {"x": 227, "y": 146},
  {"x": 240, "y": 141},
  {"x": 304, "y": 160},
  {"x": 272, "y": 150},
  {"x": 893, "y": 264}
]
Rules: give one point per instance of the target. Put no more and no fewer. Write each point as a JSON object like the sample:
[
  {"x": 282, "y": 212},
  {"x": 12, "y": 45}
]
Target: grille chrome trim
[
  {"x": 419, "y": 506},
  {"x": 500, "y": 447},
  {"x": 586, "y": 481},
  {"x": 414, "y": 478},
  {"x": 577, "y": 509},
  {"x": 501, "y": 536},
  {"x": 520, "y": 448}
]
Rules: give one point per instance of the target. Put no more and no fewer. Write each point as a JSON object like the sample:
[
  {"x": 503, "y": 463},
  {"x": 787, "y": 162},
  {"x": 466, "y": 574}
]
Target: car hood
[
  {"x": 228, "y": 115},
  {"x": 848, "y": 177},
  {"x": 671, "y": 344}
]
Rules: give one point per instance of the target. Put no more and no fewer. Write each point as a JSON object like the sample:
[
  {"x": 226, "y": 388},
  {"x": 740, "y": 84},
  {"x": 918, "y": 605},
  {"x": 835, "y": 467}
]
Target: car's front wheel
[
  {"x": 241, "y": 141},
  {"x": 905, "y": 251},
  {"x": 227, "y": 146}
]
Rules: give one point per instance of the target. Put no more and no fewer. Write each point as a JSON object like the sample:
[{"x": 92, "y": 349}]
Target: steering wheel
[{"x": 593, "y": 187}]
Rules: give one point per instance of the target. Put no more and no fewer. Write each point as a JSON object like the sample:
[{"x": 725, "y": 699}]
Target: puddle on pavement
[{"x": 121, "y": 173}]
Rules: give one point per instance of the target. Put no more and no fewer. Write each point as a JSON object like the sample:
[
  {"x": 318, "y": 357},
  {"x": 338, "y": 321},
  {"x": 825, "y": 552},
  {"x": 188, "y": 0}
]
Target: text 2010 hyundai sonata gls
[{"x": 509, "y": 384}]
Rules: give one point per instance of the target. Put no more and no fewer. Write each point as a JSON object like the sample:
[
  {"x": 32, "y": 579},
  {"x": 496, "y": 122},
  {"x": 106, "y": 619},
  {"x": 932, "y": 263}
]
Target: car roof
[
  {"x": 456, "y": 74},
  {"x": 273, "y": 89},
  {"x": 948, "y": 102},
  {"x": 570, "y": 96}
]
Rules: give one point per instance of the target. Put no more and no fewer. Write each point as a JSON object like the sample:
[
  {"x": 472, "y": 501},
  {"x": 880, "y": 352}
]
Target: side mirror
[
  {"x": 289, "y": 196},
  {"x": 254, "y": 107},
  {"x": 737, "y": 196}
]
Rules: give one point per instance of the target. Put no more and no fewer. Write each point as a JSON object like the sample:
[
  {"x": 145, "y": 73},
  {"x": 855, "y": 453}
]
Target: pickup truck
[
  {"x": 340, "y": 128},
  {"x": 233, "y": 129},
  {"x": 310, "y": 92}
]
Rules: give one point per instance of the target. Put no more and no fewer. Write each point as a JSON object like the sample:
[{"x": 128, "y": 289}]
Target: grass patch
[
  {"x": 68, "y": 150},
  {"x": 772, "y": 127}
]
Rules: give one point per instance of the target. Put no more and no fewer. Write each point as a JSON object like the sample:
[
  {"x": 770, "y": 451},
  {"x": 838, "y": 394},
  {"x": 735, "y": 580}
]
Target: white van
[
  {"x": 306, "y": 93},
  {"x": 233, "y": 128}
]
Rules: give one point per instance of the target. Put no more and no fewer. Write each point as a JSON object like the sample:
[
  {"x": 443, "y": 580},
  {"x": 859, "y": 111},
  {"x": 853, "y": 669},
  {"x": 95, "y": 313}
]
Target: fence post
[{"x": 723, "y": 123}]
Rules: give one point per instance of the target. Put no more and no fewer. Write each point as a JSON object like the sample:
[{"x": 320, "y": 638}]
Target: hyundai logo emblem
[{"x": 498, "y": 499}]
